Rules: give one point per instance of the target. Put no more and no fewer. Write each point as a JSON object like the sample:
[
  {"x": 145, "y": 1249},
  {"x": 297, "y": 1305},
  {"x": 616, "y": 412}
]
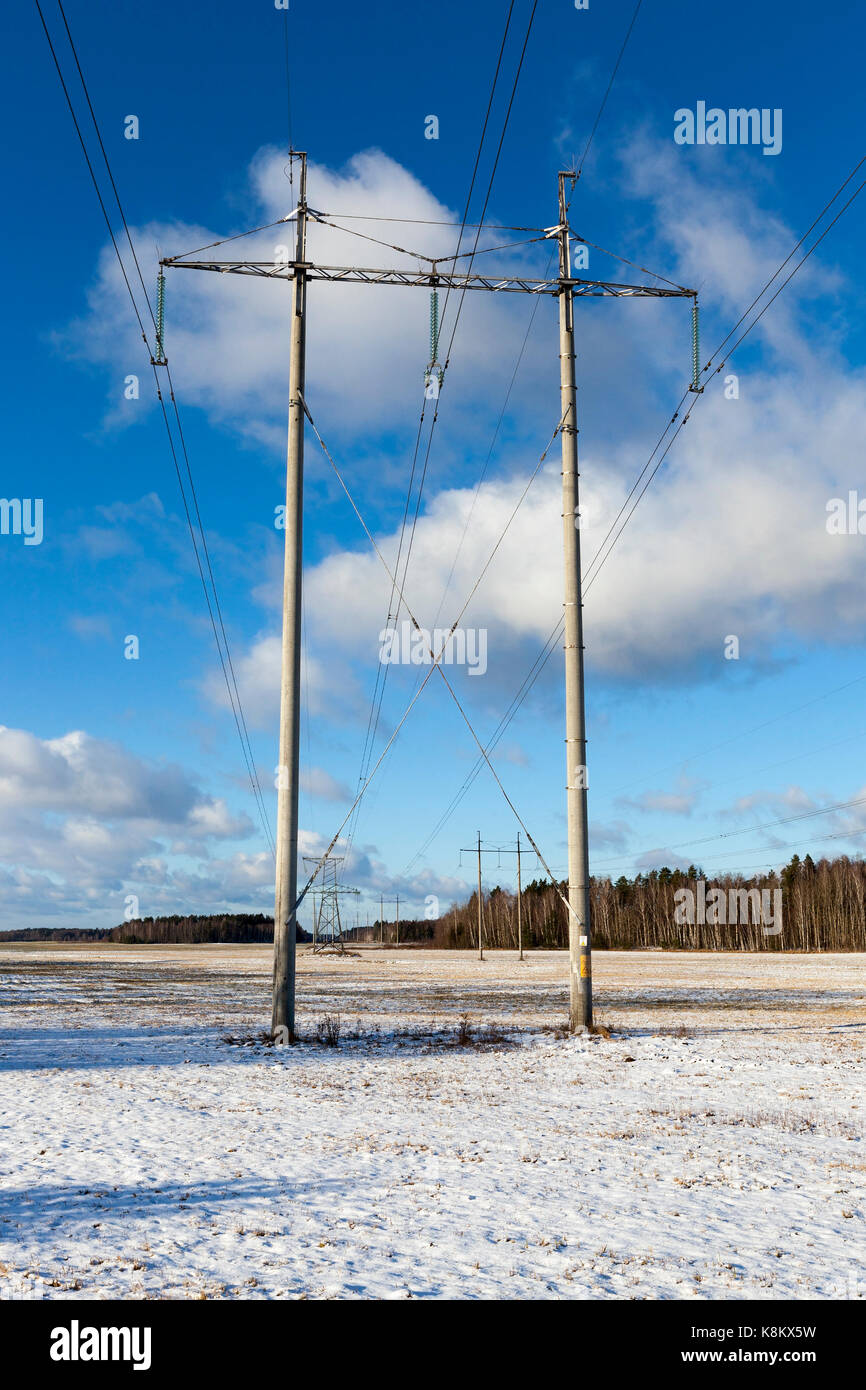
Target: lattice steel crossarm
[{"x": 366, "y": 275}]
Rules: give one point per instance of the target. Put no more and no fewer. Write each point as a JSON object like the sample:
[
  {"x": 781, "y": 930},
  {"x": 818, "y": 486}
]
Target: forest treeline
[
  {"x": 222, "y": 927},
  {"x": 823, "y": 908}
]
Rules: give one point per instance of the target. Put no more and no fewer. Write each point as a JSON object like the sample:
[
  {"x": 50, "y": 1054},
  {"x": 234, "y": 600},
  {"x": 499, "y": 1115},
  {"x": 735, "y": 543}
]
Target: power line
[
  {"x": 584, "y": 241},
  {"x": 288, "y": 79},
  {"x": 793, "y": 251},
  {"x": 436, "y": 661},
  {"x": 223, "y": 241},
  {"x": 483, "y": 473},
  {"x": 741, "y": 855},
  {"x": 431, "y": 222},
  {"x": 382, "y": 672},
  {"x": 475, "y": 246},
  {"x": 609, "y": 85},
  {"x": 547, "y": 649},
  {"x": 549, "y": 645},
  {"x": 421, "y": 255},
  {"x": 495, "y": 737},
  {"x": 240, "y": 721},
  {"x": 744, "y": 733},
  {"x": 684, "y": 419},
  {"x": 745, "y": 830},
  {"x": 471, "y": 262}
]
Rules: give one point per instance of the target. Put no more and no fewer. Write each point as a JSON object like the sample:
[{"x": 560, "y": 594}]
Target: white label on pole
[{"x": 583, "y": 941}]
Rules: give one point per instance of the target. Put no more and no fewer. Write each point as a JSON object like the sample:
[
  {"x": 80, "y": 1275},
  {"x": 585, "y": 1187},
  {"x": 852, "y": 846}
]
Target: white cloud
[
  {"x": 258, "y": 677},
  {"x": 613, "y": 836},
  {"x": 77, "y": 774},
  {"x": 319, "y": 783},
  {"x": 226, "y": 335},
  {"x": 83, "y": 820},
  {"x": 730, "y": 538},
  {"x": 680, "y": 802}
]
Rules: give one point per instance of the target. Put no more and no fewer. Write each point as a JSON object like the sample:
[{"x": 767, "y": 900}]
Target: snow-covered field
[{"x": 712, "y": 1147}]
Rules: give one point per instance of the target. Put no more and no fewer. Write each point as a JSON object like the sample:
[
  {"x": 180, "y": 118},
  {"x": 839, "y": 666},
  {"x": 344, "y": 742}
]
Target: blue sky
[{"x": 124, "y": 777}]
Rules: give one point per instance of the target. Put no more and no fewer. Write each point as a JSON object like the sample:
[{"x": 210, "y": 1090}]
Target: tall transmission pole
[
  {"x": 328, "y": 929},
  {"x": 566, "y": 288},
  {"x": 285, "y": 900},
  {"x": 579, "y": 938}
]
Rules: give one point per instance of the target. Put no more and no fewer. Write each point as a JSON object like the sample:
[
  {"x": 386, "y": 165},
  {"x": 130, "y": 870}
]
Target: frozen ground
[{"x": 712, "y": 1147}]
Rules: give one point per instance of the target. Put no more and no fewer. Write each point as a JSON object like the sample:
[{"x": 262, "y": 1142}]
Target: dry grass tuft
[
  {"x": 328, "y": 1030},
  {"x": 464, "y": 1031},
  {"x": 599, "y": 1030},
  {"x": 263, "y": 1039}
]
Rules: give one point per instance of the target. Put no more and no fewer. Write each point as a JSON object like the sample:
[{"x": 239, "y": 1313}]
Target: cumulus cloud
[
  {"x": 84, "y": 823},
  {"x": 614, "y": 835},
  {"x": 794, "y": 801},
  {"x": 729, "y": 540},
  {"x": 86, "y": 816},
  {"x": 77, "y": 774},
  {"x": 226, "y": 335},
  {"x": 319, "y": 783},
  {"x": 680, "y": 802},
  {"x": 258, "y": 676}
]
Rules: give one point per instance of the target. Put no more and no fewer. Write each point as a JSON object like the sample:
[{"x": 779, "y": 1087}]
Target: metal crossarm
[{"x": 368, "y": 275}]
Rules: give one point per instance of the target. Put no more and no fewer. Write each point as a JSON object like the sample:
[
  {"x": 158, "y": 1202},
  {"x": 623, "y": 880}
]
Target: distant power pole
[
  {"x": 519, "y": 923},
  {"x": 498, "y": 850},
  {"x": 382, "y": 901},
  {"x": 480, "y": 946}
]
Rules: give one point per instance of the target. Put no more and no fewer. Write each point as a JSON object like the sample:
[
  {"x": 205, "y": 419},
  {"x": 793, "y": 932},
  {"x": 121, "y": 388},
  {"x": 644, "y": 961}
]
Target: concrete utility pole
[
  {"x": 579, "y": 938},
  {"x": 480, "y": 946},
  {"x": 285, "y": 903},
  {"x": 382, "y": 901},
  {"x": 519, "y": 891},
  {"x": 566, "y": 288}
]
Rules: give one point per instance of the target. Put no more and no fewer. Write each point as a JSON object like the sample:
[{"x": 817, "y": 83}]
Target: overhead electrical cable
[
  {"x": 436, "y": 660},
  {"x": 231, "y": 684},
  {"x": 382, "y": 671},
  {"x": 472, "y": 255},
  {"x": 599, "y": 559},
  {"x": 607, "y": 92},
  {"x": 746, "y": 829}
]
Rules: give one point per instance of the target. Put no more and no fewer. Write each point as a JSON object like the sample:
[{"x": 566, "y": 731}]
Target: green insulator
[
  {"x": 160, "y": 316},
  {"x": 434, "y": 325}
]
